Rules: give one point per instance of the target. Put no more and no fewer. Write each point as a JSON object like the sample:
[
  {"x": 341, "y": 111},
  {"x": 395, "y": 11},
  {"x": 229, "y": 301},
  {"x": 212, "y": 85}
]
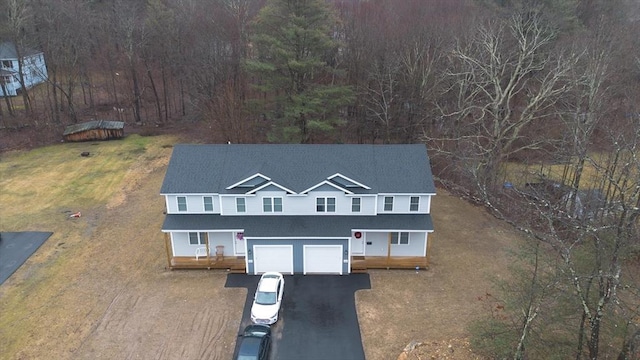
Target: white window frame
[
  {"x": 399, "y": 237},
  {"x": 204, "y": 203},
  {"x": 200, "y": 238},
  {"x": 323, "y": 206},
  {"x": 241, "y": 205},
  {"x": 384, "y": 204},
  {"x": 356, "y": 207},
  {"x": 416, "y": 204},
  {"x": 270, "y": 201},
  {"x": 185, "y": 203}
]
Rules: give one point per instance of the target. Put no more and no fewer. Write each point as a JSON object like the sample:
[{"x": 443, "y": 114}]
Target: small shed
[{"x": 94, "y": 130}]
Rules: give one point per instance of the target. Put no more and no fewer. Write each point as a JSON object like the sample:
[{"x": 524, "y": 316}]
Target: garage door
[
  {"x": 323, "y": 259},
  {"x": 273, "y": 258}
]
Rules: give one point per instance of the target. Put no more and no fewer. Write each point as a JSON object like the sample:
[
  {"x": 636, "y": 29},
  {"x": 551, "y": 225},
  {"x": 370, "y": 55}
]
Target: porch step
[{"x": 237, "y": 270}]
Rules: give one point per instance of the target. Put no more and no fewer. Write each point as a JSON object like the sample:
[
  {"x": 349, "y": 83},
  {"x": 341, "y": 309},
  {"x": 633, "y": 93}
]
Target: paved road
[
  {"x": 15, "y": 249},
  {"x": 318, "y": 319}
]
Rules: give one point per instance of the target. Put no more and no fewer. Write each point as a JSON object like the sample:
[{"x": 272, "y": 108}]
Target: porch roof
[{"x": 297, "y": 226}]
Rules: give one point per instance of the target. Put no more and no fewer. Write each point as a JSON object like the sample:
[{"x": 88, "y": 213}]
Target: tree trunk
[{"x": 136, "y": 94}]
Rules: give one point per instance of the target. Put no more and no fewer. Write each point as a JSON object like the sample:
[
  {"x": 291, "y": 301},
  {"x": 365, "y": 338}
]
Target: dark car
[{"x": 255, "y": 343}]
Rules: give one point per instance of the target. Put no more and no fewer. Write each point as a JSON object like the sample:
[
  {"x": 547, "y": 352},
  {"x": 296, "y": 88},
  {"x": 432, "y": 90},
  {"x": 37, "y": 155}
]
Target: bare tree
[{"x": 503, "y": 81}]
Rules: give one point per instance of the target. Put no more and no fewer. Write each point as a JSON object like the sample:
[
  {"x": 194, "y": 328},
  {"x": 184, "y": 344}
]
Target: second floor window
[
  {"x": 241, "y": 205},
  {"x": 7, "y": 64},
  {"x": 355, "y": 204},
  {"x": 182, "y": 203},
  {"x": 325, "y": 204},
  {"x": 388, "y": 203},
  {"x": 208, "y": 203},
  {"x": 415, "y": 203},
  {"x": 272, "y": 204}
]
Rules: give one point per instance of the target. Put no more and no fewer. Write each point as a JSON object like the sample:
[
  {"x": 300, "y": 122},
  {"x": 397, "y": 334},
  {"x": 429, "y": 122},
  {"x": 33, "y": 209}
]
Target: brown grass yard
[{"x": 98, "y": 288}]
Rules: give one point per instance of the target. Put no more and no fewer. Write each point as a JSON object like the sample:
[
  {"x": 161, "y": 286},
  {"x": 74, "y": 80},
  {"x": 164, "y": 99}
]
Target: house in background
[
  {"x": 310, "y": 209},
  {"x": 34, "y": 69}
]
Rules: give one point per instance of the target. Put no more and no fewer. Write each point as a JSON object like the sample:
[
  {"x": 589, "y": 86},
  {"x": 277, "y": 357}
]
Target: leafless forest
[{"x": 490, "y": 86}]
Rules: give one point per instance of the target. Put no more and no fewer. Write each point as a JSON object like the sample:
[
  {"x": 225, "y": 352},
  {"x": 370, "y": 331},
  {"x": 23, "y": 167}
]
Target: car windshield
[{"x": 266, "y": 298}]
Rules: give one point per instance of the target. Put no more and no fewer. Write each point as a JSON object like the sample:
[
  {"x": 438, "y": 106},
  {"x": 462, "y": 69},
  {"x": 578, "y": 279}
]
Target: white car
[{"x": 268, "y": 297}]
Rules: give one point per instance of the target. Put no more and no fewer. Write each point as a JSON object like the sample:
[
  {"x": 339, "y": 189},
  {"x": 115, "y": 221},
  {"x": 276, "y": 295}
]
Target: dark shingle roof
[
  {"x": 297, "y": 226},
  {"x": 93, "y": 125},
  {"x": 196, "y": 169},
  {"x": 8, "y": 51}
]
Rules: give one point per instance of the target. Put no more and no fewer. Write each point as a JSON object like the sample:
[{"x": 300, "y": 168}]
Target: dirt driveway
[{"x": 109, "y": 295}]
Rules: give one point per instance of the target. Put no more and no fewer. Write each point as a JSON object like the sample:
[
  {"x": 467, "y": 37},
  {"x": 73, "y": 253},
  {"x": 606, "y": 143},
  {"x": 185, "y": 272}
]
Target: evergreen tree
[{"x": 294, "y": 66}]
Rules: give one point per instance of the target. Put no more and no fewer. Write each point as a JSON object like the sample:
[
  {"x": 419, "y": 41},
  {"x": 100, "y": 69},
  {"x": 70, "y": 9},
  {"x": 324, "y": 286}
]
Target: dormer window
[
  {"x": 182, "y": 203},
  {"x": 388, "y": 203}
]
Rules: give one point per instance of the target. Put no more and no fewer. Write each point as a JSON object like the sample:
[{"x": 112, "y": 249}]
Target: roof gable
[
  {"x": 346, "y": 182},
  {"x": 326, "y": 186},
  {"x": 250, "y": 182}
]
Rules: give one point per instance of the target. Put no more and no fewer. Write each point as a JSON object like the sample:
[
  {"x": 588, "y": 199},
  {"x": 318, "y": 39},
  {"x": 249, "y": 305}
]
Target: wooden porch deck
[
  {"x": 235, "y": 264},
  {"x": 360, "y": 264}
]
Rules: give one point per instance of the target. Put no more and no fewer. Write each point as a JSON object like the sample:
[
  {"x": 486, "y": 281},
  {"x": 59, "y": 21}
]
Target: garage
[
  {"x": 322, "y": 259},
  {"x": 273, "y": 258}
]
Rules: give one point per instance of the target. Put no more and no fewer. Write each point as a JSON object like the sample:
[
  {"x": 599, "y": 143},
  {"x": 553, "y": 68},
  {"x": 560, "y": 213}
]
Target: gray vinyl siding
[
  {"x": 298, "y": 251},
  {"x": 195, "y": 204},
  {"x": 298, "y": 204},
  {"x": 380, "y": 242},
  {"x": 182, "y": 247}
]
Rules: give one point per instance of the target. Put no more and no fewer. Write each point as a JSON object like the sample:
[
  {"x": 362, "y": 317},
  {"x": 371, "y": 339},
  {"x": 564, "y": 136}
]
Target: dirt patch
[{"x": 108, "y": 295}]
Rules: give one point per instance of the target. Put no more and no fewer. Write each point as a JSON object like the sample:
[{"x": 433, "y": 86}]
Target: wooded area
[{"x": 494, "y": 88}]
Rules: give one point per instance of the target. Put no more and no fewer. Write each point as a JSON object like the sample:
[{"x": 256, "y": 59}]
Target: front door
[
  {"x": 357, "y": 243},
  {"x": 239, "y": 243}
]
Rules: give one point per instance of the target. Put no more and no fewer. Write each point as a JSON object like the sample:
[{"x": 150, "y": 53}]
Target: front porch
[
  {"x": 360, "y": 264},
  {"x": 235, "y": 264}
]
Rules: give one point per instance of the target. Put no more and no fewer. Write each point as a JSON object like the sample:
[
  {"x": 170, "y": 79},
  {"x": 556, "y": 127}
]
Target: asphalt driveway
[
  {"x": 16, "y": 248},
  {"x": 318, "y": 319}
]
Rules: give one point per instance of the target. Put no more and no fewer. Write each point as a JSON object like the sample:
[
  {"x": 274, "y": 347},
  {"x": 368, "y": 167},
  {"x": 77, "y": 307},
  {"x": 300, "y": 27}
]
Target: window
[
  {"x": 208, "y": 203},
  {"x": 270, "y": 204},
  {"x": 401, "y": 238},
  {"x": 415, "y": 203},
  {"x": 355, "y": 204},
  {"x": 7, "y": 64},
  {"x": 182, "y": 203},
  {"x": 388, "y": 203},
  {"x": 241, "y": 205},
  {"x": 325, "y": 204},
  {"x": 197, "y": 238}
]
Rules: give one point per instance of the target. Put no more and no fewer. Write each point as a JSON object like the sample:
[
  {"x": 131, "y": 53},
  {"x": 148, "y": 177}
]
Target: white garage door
[
  {"x": 323, "y": 259},
  {"x": 273, "y": 258}
]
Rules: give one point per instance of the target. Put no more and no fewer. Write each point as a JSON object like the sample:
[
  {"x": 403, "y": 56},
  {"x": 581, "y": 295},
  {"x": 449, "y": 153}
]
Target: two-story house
[
  {"x": 34, "y": 69},
  {"x": 311, "y": 209}
]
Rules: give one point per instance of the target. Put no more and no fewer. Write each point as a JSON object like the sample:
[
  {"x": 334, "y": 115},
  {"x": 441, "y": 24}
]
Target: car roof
[
  {"x": 249, "y": 345},
  {"x": 268, "y": 284}
]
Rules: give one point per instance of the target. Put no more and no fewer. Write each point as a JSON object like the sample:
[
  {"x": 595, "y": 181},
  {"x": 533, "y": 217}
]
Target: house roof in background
[
  {"x": 298, "y": 226},
  {"x": 93, "y": 125},
  {"x": 198, "y": 169},
  {"x": 8, "y": 51}
]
